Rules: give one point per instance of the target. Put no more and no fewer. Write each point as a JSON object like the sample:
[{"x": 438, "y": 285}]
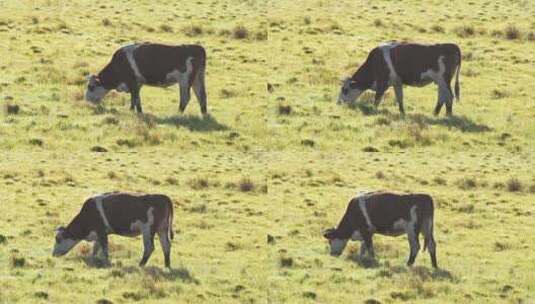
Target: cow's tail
[
  {"x": 170, "y": 233},
  {"x": 428, "y": 224},
  {"x": 457, "y": 87}
]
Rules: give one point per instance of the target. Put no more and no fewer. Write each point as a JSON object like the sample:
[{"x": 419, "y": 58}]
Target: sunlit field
[{"x": 255, "y": 183}]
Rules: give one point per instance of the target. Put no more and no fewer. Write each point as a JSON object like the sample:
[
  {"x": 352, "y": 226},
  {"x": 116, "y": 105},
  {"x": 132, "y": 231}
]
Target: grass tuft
[
  {"x": 240, "y": 32},
  {"x": 512, "y": 32},
  {"x": 11, "y": 109},
  {"x": 284, "y": 109},
  {"x": 514, "y": 185},
  {"x": 246, "y": 184},
  {"x": 465, "y": 31},
  {"x": 17, "y": 262}
]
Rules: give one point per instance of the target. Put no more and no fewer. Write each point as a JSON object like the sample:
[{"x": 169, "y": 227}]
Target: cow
[
  {"x": 397, "y": 64},
  {"x": 125, "y": 214},
  {"x": 152, "y": 64},
  {"x": 389, "y": 214}
]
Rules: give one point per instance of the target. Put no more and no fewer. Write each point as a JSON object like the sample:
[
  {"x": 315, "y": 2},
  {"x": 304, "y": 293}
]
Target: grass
[{"x": 256, "y": 182}]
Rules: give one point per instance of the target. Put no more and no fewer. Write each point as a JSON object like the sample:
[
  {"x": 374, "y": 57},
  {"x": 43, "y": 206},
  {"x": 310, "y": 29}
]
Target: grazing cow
[
  {"x": 152, "y": 64},
  {"x": 398, "y": 64},
  {"x": 123, "y": 214},
  {"x": 388, "y": 214}
]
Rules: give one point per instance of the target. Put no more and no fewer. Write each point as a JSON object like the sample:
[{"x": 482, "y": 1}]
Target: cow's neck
[
  {"x": 107, "y": 78},
  {"x": 77, "y": 227},
  {"x": 363, "y": 77},
  {"x": 348, "y": 224}
]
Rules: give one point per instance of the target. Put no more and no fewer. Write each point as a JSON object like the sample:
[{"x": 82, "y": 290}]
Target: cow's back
[
  {"x": 124, "y": 209},
  {"x": 156, "y": 61},
  {"x": 411, "y": 60},
  {"x": 385, "y": 208}
]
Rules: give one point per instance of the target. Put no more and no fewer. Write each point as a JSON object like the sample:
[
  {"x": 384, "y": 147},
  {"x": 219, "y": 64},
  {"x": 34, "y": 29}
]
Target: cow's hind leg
[
  {"x": 414, "y": 244},
  {"x": 166, "y": 246},
  {"x": 184, "y": 95},
  {"x": 148, "y": 246},
  {"x": 200, "y": 90},
  {"x": 431, "y": 246},
  {"x": 439, "y": 105},
  {"x": 445, "y": 96}
]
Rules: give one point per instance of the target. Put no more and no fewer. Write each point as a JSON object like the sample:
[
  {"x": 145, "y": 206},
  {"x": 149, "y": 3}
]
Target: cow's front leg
[
  {"x": 96, "y": 248},
  {"x": 368, "y": 242},
  {"x": 362, "y": 249},
  {"x": 398, "y": 89},
  {"x": 135, "y": 98},
  {"x": 380, "y": 90},
  {"x": 184, "y": 95},
  {"x": 148, "y": 247},
  {"x": 103, "y": 240}
]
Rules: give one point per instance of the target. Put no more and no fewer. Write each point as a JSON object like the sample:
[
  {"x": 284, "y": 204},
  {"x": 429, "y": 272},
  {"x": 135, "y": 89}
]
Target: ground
[{"x": 255, "y": 183}]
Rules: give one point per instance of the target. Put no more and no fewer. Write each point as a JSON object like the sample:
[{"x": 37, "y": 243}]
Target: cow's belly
[
  {"x": 393, "y": 232},
  {"x": 420, "y": 82},
  {"x": 169, "y": 79},
  {"x": 398, "y": 228}
]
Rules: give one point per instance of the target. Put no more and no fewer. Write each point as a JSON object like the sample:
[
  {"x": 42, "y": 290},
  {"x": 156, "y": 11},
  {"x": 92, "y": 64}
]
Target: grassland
[{"x": 279, "y": 165}]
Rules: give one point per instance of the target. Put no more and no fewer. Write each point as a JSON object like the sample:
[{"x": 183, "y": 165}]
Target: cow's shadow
[
  {"x": 94, "y": 262},
  {"x": 172, "y": 274},
  {"x": 159, "y": 274},
  {"x": 206, "y": 123},
  {"x": 367, "y": 108},
  {"x": 460, "y": 122},
  {"x": 363, "y": 261}
]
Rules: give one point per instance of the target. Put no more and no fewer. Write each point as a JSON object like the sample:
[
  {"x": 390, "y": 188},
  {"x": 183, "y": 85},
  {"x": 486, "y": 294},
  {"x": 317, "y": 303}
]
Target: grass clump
[
  {"x": 17, "y": 262},
  {"x": 438, "y": 29},
  {"x": 166, "y": 28},
  {"x": 246, "y": 184},
  {"x": 199, "y": 183},
  {"x": 512, "y": 32},
  {"x": 240, "y": 32},
  {"x": 11, "y": 109},
  {"x": 193, "y": 30},
  {"x": 514, "y": 185},
  {"x": 467, "y": 183},
  {"x": 284, "y": 109},
  {"x": 465, "y": 31}
]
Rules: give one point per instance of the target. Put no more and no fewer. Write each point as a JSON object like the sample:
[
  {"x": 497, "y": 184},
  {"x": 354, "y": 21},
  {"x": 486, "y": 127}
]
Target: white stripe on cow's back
[
  {"x": 362, "y": 205},
  {"x": 100, "y": 208},
  {"x": 129, "y": 51},
  {"x": 385, "y": 48}
]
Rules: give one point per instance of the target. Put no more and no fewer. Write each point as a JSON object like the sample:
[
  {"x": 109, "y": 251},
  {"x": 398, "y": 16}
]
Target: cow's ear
[
  {"x": 60, "y": 229},
  {"x": 329, "y": 233}
]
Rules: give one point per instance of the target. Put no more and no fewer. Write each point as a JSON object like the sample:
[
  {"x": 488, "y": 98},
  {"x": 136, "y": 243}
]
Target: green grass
[{"x": 256, "y": 182}]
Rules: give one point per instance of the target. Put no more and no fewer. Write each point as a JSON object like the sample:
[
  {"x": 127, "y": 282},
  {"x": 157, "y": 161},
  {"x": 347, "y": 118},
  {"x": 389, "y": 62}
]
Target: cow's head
[
  {"x": 336, "y": 244},
  {"x": 95, "y": 89},
  {"x": 64, "y": 242},
  {"x": 350, "y": 91}
]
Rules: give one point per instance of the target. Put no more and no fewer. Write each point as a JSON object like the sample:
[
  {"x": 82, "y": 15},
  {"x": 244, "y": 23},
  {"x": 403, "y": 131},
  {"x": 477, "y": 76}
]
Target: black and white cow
[
  {"x": 152, "y": 64},
  {"x": 123, "y": 214},
  {"x": 387, "y": 214},
  {"x": 397, "y": 64}
]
